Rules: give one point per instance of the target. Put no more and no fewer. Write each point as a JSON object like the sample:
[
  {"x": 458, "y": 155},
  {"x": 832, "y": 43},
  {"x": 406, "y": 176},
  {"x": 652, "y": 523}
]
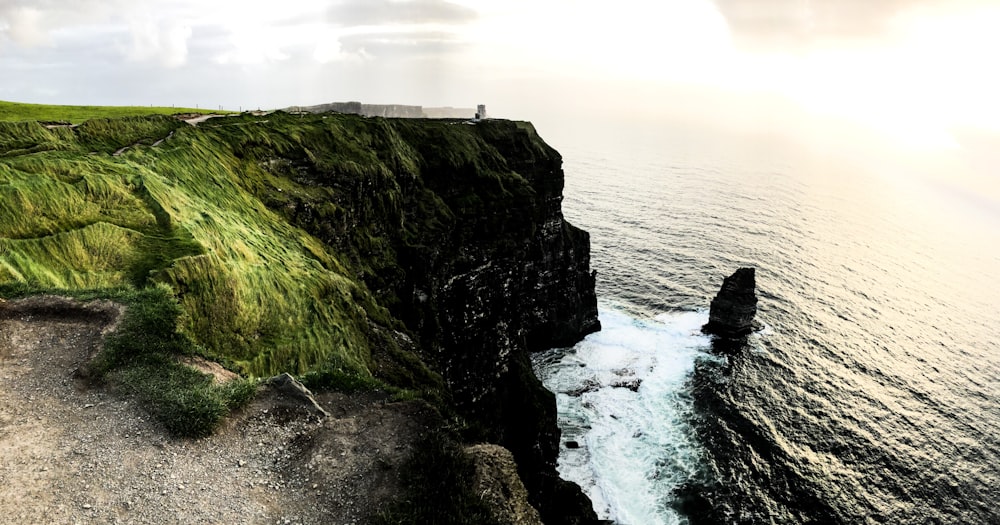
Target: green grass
[{"x": 17, "y": 111}]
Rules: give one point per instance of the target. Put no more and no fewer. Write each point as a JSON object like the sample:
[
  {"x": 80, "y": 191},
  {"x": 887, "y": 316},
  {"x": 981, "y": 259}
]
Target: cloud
[
  {"x": 393, "y": 29},
  {"x": 24, "y": 25},
  {"x": 164, "y": 41},
  {"x": 803, "y": 22},
  {"x": 408, "y": 44},
  {"x": 30, "y": 23},
  {"x": 384, "y": 12}
]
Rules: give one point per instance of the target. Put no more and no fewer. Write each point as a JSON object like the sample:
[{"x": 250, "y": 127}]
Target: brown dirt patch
[{"x": 211, "y": 368}]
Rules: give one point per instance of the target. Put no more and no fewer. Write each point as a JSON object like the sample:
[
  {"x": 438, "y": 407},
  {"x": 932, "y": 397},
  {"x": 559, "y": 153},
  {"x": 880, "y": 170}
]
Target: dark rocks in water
[
  {"x": 631, "y": 384},
  {"x": 734, "y": 307},
  {"x": 588, "y": 386}
]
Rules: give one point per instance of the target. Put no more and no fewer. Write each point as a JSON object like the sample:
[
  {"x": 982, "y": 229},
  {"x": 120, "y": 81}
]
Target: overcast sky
[{"x": 914, "y": 70}]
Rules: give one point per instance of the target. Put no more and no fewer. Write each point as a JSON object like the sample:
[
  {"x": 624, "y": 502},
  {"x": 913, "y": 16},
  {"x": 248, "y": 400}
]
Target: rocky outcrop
[
  {"x": 732, "y": 311},
  {"x": 291, "y": 390},
  {"x": 498, "y": 485}
]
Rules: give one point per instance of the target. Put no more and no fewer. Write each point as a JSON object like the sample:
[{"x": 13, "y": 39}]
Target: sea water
[
  {"x": 872, "y": 396},
  {"x": 622, "y": 399}
]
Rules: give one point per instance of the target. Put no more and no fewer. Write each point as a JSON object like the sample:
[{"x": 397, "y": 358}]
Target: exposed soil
[{"x": 74, "y": 453}]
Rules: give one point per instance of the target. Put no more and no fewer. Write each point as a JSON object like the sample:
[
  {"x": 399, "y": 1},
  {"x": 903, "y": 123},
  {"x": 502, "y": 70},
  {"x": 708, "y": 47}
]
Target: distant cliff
[
  {"x": 386, "y": 110},
  {"x": 426, "y": 255}
]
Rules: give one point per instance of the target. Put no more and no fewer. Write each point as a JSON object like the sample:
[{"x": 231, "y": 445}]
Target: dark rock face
[
  {"x": 515, "y": 280},
  {"x": 733, "y": 309},
  {"x": 588, "y": 385}
]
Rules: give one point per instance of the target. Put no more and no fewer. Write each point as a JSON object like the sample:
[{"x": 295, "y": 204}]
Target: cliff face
[
  {"x": 415, "y": 252},
  {"x": 509, "y": 279},
  {"x": 484, "y": 269}
]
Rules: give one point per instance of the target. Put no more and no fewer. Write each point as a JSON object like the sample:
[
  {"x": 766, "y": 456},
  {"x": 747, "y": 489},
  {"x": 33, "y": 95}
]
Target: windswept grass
[
  {"x": 17, "y": 111},
  {"x": 51, "y": 192},
  {"x": 265, "y": 294},
  {"x": 95, "y": 256},
  {"x": 141, "y": 358},
  {"x": 110, "y": 135}
]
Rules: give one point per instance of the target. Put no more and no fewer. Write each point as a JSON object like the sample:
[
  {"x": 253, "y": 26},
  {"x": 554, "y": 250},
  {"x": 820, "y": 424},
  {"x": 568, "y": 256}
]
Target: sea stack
[{"x": 733, "y": 309}]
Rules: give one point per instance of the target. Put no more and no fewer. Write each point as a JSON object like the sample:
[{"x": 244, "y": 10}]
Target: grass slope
[
  {"x": 257, "y": 292},
  {"x": 18, "y": 111}
]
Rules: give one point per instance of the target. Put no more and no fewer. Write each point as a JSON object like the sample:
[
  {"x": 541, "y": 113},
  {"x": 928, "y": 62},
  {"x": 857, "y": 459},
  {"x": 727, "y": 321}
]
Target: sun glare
[
  {"x": 914, "y": 86},
  {"x": 927, "y": 75}
]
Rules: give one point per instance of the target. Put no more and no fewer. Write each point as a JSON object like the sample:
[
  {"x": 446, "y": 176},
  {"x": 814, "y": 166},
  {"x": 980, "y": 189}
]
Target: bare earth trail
[{"x": 73, "y": 453}]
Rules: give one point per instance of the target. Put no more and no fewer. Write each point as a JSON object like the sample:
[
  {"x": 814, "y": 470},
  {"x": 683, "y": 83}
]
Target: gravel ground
[{"x": 70, "y": 453}]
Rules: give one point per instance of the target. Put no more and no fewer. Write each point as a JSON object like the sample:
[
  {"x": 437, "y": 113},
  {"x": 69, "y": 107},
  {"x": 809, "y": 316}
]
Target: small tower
[{"x": 481, "y": 112}]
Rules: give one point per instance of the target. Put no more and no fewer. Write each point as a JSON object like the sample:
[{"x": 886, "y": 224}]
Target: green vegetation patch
[
  {"x": 29, "y": 137},
  {"x": 265, "y": 294},
  {"x": 94, "y": 256},
  {"x": 112, "y": 135},
  {"x": 46, "y": 193},
  {"x": 17, "y": 111}
]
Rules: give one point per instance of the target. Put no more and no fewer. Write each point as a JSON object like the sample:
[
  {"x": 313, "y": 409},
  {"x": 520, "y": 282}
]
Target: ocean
[{"x": 872, "y": 395}]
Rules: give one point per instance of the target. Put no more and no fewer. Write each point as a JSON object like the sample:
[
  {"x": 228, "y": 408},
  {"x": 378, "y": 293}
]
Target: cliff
[
  {"x": 386, "y": 110},
  {"x": 420, "y": 255}
]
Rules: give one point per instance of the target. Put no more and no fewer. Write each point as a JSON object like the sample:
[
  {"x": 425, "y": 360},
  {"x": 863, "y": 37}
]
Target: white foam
[{"x": 635, "y": 446}]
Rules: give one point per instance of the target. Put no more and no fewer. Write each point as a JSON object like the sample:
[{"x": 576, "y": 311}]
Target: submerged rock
[
  {"x": 734, "y": 307},
  {"x": 588, "y": 385},
  {"x": 632, "y": 384}
]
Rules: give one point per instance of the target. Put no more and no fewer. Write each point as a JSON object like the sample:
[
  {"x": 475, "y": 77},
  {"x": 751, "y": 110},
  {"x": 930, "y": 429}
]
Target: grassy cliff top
[
  {"x": 226, "y": 216},
  {"x": 18, "y": 111}
]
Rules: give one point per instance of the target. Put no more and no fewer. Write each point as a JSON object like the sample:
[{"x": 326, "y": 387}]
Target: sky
[{"x": 919, "y": 74}]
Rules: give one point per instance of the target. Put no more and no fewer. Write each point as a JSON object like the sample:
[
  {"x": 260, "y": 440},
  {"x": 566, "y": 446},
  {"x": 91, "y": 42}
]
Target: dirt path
[{"x": 73, "y": 454}]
